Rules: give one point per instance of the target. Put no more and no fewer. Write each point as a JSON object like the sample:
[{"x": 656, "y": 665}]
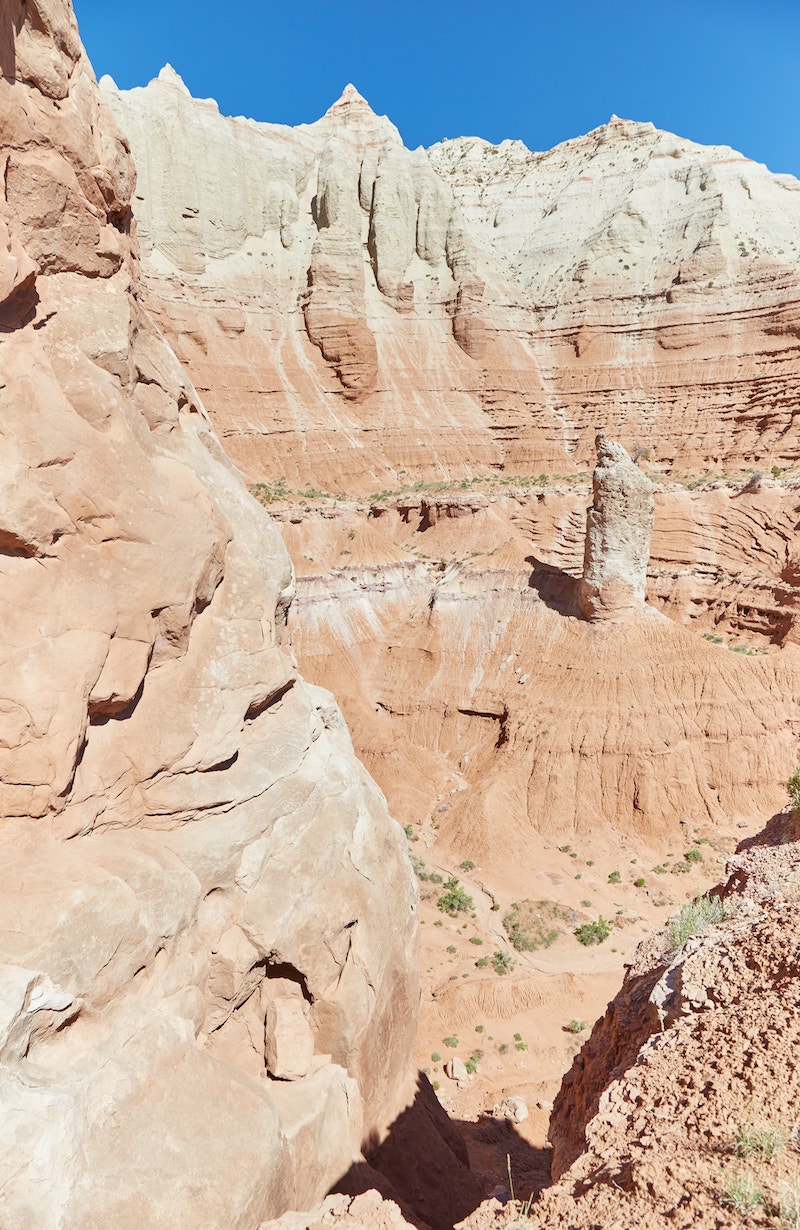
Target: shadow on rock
[
  {"x": 423, "y": 1164},
  {"x": 556, "y": 588}
]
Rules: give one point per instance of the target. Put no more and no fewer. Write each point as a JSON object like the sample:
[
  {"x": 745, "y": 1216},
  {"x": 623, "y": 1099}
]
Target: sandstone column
[{"x": 619, "y": 526}]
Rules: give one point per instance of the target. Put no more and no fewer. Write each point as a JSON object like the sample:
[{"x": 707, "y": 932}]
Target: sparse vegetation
[
  {"x": 793, "y": 787},
  {"x": 694, "y": 919},
  {"x": 451, "y": 1041},
  {"x": 531, "y": 924},
  {"x": 577, "y": 1027},
  {"x": 762, "y": 1142},
  {"x": 467, "y": 865},
  {"x": 502, "y": 961},
  {"x": 454, "y": 900},
  {"x": 639, "y": 882},
  {"x": 741, "y": 1191},
  {"x": 593, "y": 932},
  {"x": 614, "y": 877},
  {"x": 436, "y": 1057}
]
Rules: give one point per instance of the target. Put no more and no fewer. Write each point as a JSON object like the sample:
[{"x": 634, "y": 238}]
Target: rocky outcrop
[
  {"x": 619, "y": 528},
  {"x": 207, "y": 917},
  {"x": 693, "y": 1052}
]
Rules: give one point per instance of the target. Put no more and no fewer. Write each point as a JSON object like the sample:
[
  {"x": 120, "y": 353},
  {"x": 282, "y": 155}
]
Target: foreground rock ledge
[{"x": 190, "y": 853}]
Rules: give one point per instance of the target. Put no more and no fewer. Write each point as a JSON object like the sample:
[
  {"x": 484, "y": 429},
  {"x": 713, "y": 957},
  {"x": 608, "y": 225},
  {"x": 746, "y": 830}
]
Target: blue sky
[{"x": 716, "y": 71}]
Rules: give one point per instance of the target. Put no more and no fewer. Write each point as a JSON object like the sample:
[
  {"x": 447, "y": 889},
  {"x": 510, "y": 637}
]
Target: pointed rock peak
[
  {"x": 350, "y": 99},
  {"x": 170, "y": 77}
]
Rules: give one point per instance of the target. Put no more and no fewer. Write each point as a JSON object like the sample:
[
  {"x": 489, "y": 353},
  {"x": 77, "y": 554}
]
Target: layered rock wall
[{"x": 347, "y": 303}]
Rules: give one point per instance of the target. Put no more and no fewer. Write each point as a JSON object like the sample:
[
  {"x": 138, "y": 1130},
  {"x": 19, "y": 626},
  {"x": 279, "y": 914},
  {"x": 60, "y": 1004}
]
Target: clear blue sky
[{"x": 716, "y": 71}]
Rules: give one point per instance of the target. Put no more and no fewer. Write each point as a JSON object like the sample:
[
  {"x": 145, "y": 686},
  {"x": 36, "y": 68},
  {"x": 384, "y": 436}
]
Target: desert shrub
[
  {"x": 454, "y": 899},
  {"x": 475, "y": 939},
  {"x": 694, "y": 919},
  {"x": 614, "y": 877},
  {"x": 639, "y": 882},
  {"x": 451, "y": 1041},
  {"x": 502, "y": 962},
  {"x": 467, "y": 865},
  {"x": 481, "y": 963},
  {"x": 793, "y": 786},
  {"x": 577, "y": 1027},
  {"x": 693, "y": 856},
  {"x": 531, "y": 924},
  {"x": 681, "y": 868},
  {"x": 436, "y": 1057},
  {"x": 593, "y": 932}
]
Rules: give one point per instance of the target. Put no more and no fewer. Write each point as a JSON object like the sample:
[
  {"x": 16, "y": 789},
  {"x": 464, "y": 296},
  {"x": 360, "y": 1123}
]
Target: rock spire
[{"x": 619, "y": 527}]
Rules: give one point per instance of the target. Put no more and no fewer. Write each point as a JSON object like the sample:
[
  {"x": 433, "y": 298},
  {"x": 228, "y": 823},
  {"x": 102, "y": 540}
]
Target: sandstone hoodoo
[{"x": 619, "y": 529}]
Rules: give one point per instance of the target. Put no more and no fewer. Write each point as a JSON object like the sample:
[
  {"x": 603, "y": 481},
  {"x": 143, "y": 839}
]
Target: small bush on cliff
[
  {"x": 593, "y": 932},
  {"x": 694, "y": 919},
  {"x": 793, "y": 786},
  {"x": 454, "y": 900}
]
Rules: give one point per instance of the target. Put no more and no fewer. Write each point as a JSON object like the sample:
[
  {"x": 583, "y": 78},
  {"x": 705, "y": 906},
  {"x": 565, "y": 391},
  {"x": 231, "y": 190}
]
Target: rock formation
[
  {"x": 694, "y": 1050},
  {"x": 355, "y": 312},
  {"x": 619, "y": 527},
  {"x": 201, "y": 889}
]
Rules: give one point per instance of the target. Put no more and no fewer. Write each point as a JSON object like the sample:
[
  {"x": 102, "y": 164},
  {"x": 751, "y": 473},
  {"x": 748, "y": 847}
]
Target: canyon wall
[
  {"x": 359, "y": 315},
  {"x": 207, "y": 916}
]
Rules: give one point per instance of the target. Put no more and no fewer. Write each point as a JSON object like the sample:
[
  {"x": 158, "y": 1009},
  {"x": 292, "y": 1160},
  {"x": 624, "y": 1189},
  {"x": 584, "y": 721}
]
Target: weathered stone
[
  {"x": 289, "y": 1042},
  {"x": 619, "y": 528}
]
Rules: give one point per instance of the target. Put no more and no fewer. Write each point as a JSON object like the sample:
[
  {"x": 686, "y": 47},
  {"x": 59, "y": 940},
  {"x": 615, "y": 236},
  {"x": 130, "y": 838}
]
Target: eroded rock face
[
  {"x": 697, "y": 1045},
  {"x": 345, "y": 303},
  {"x": 185, "y": 829},
  {"x": 619, "y": 529}
]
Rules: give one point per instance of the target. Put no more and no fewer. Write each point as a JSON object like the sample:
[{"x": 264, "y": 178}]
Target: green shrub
[
  {"x": 451, "y": 1041},
  {"x": 475, "y": 939},
  {"x": 467, "y": 865},
  {"x": 593, "y": 932},
  {"x": 694, "y": 919},
  {"x": 639, "y": 882},
  {"x": 436, "y": 1057},
  {"x": 478, "y": 1029},
  {"x": 502, "y": 962},
  {"x": 693, "y": 856},
  {"x": 577, "y": 1027},
  {"x": 481, "y": 963},
  {"x": 793, "y": 786},
  {"x": 614, "y": 877},
  {"x": 454, "y": 900}
]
